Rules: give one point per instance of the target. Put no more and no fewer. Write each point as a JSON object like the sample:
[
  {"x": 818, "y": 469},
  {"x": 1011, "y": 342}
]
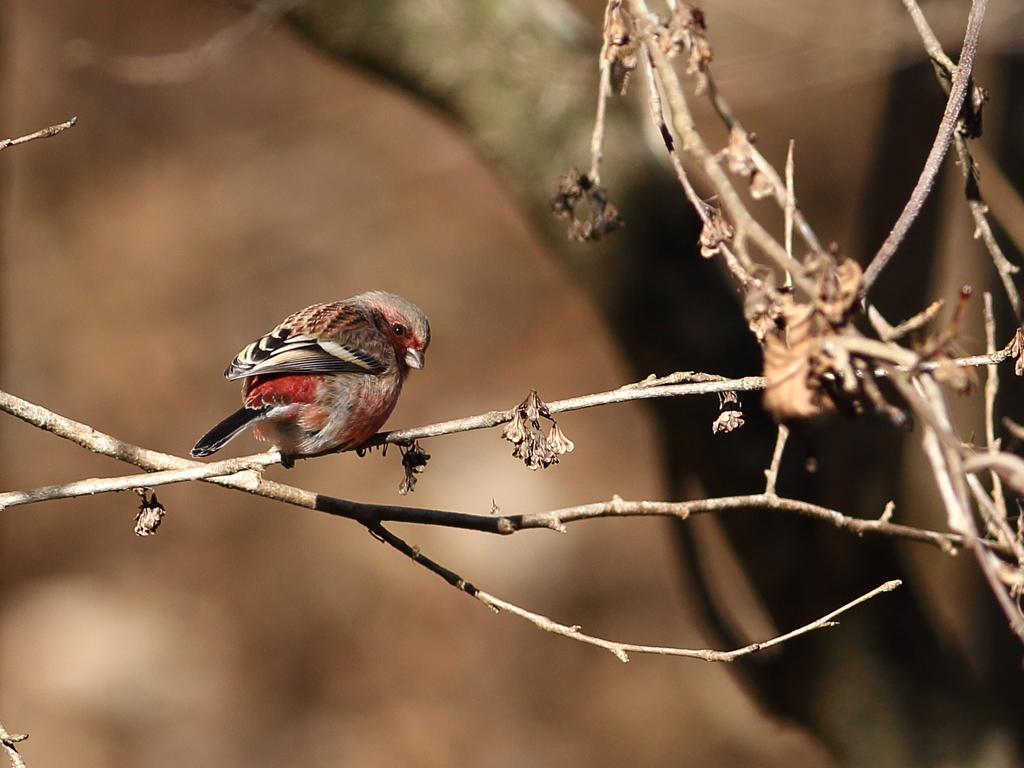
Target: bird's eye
[{"x": 398, "y": 329}]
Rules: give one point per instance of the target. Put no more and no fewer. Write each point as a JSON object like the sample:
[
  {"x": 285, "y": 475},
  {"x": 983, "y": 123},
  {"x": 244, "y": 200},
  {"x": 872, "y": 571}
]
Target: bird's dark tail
[{"x": 224, "y": 432}]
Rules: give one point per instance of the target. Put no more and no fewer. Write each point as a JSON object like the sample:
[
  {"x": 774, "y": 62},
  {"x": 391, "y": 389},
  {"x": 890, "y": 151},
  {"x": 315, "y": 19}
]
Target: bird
[{"x": 327, "y": 378}]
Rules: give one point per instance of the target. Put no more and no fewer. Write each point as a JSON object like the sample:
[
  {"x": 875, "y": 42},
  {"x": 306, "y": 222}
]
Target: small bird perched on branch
[{"x": 327, "y": 378}]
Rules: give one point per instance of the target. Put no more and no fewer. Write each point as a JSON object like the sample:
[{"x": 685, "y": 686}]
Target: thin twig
[
  {"x": 890, "y": 333},
  {"x": 617, "y": 507},
  {"x": 621, "y": 650},
  {"x": 945, "y": 70},
  {"x": 778, "y": 188},
  {"x": 789, "y": 210},
  {"x": 44, "y": 133},
  {"x": 95, "y": 485},
  {"x": 658, "y": 115},
  {"x": 937, "y": 153},
  {"x": 682, "y": 120},
  {"x": 943, "y": 450},
  {"x": 1001, "y": 196},
  {"x": 772, "y": 473},
  {"x": 991, "y": 391},
  {"x": 995, "y": 521},
  {"x": 604, "y": 93}
]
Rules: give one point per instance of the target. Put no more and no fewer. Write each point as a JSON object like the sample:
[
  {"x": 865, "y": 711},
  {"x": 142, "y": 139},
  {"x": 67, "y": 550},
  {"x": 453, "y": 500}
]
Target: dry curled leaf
[
  {"x": 969, "y": 122},
  {"x": 761, "y": 308},
  {"x": 535, "y": 449},
  {"x": 806, "y": 374},
  {"x": 620, "y": 47},
  {"x": 716, "y": 231},
  {"x": 838, "y": 286},
  {"x": 1016, "y": 348},
  {"x": 730, "y": 416},
  {"x": 576, "y": 189},
  {"x": 739, "y": 154},
  {"x": 727, "y": 421},
  {"x": 686, "y": 32},
  {"x": 789, "y": 353},
  {"x": 558, "y": 441},
  {"x": 761, "y": 186},
  {"x": 151, "y": 512}
]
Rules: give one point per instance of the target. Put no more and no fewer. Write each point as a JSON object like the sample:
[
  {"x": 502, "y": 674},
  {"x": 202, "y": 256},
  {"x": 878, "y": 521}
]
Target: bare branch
[
  {"x": 937, "y": 153},
  {"x": 1001, "y": 196},
  {"x": 243, "y": 474},
  {"x": 766, "y": 168},
  {"x": 789, "y": 210},
  {"x": 96, "y": 485},
  {"x": 44, "y": 133},
  {"x": 991, "y": 391},
  {"x": 701, "y": 384},
  {"x": 890, "y": 333},
  {"x": 772, "y": 473},
  {"x": 682, "y": 120},
  {"x": 621, "y": 650}
]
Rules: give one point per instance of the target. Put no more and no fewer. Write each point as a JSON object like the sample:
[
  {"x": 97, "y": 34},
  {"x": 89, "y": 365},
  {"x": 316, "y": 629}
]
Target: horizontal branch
[
  {"x": 92, "y": 486},
  {"x": 245, "y": 474},
  {"x": 704, "y": 384},
  {"x": 617, "y": 507}
]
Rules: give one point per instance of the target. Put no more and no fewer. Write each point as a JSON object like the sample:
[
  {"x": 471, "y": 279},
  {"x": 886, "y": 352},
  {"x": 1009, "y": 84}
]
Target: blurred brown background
[{"x": 177, "y": 222}]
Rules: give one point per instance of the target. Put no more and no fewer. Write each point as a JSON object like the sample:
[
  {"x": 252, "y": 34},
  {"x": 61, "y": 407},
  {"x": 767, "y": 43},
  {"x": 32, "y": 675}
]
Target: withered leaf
[
  {"x": 739, "y": 154},
  {"x": 727, "y": 421},
  {"x": 716, "y": 231},
  {"x": 620, "y": 47},
  {"x": 151, "y": 513},
  {"x": 1016, "y": 350},
  {"x": 792, "y": 392},
  {"x": 761, "y": 186}
]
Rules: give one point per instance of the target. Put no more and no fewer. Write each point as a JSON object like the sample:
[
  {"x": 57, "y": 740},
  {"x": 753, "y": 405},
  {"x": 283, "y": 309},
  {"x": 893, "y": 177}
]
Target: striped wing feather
[{"x": 285, "y": 351}]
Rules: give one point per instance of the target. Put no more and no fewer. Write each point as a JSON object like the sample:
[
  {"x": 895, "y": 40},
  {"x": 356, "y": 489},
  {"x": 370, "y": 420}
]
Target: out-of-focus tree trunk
[{"x": 520, "y": 78}]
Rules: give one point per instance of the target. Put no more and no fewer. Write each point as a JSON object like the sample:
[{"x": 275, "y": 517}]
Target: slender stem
[
  {"x": 772, "y": 473},
  {"x": 45, "y": 133},
  {"x": 926, "y": 180},
  {"x": 991, "y": 391}
]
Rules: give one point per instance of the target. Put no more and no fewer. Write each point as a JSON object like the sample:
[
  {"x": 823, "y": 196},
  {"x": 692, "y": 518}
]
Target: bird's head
[{"x": 406, "y": 326}]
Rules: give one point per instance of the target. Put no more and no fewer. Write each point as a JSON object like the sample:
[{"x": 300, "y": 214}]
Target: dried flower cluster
[
  {"x": 739, "y": 159},
  {"x": 414, "y": 461},
  {"x": 151, "y": 512},
  {"x": 535, "y": 449},
  {"x": 730, "y": 416},
  {"x": 601, "y": 216},
  {"x": 686, "y": 33}
]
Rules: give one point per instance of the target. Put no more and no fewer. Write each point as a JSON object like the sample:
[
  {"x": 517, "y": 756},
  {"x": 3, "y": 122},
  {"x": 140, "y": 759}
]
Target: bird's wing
[{"x": 286, "y": 351}]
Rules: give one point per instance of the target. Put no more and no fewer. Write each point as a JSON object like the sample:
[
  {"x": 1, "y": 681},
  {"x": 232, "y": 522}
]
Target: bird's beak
[{"x": 414, "y": 358}]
